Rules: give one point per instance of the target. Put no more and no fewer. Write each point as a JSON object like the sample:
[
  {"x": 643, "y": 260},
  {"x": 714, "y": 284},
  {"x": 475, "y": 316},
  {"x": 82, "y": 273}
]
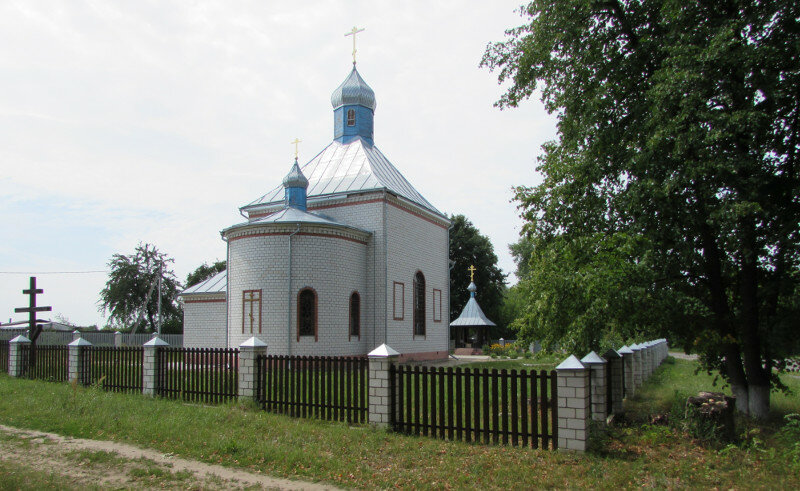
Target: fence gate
[{"x": 488, "y": 406}]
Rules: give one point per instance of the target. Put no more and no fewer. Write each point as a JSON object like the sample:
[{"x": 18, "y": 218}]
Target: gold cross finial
[
  {"x": 471, "y": 270},
  {"x": 353, "y": 33},
  {"x": 295, "y": 142}
]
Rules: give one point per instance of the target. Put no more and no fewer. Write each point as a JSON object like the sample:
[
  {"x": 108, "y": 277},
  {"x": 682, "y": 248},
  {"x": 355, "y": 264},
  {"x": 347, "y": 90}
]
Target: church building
[{"x": 342, "y": 256}]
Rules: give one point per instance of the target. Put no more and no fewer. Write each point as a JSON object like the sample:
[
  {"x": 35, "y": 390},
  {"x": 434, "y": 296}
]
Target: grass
[{"x": 637, "y": 454}]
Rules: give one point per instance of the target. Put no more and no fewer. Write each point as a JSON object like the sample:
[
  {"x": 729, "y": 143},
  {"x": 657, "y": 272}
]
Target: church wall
[
  {"x": 204, "y": 323},
  {"x": 366, "y": 213},
  {"x": 333, "y": 267},
  {"x": 416, "y": 244}
]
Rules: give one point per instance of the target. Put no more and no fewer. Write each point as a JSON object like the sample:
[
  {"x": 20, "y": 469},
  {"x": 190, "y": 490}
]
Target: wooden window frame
[
  {"x": 350, "y": 334},
  {"x": 437, "y": 302},
  {"x": 414, "y": 298},
  {"x": 402, "y": 304},
  {"x": 260, "y": 310},
  {"x": 316, "y": 314},
  {"x": 351, "y": 121}
]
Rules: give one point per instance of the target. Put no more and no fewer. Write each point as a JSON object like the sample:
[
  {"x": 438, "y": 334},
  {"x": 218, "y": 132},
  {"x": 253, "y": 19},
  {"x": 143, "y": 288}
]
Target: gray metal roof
[
  {"x": 291, "y": 215},
  {"x": 354, "y": 90},
  {"x": 350, "y": 167},
  {"x": 472, "y": 316},
  {"x": 216, "y": 284}
]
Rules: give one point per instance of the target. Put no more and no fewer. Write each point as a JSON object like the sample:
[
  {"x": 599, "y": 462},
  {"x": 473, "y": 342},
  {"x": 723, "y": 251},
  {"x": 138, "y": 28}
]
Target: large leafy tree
[
  {"x": 131, "y": 292},
  {"x": 677, "y": 158},
  {"x": 468, "y": 247},
  {"x": 204, "y": 272}
]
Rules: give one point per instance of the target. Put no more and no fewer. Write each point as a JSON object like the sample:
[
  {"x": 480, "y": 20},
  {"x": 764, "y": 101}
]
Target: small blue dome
[
  {"x": 295, "y": 178},
  {"x": 354, "y": 91}
]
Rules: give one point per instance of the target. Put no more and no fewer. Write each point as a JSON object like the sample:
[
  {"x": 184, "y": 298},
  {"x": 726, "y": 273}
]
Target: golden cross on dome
[
  {"x": 295, "y": 142},
  {"x": 471, "y": 270},
  {"x": 353, "y": 33}
]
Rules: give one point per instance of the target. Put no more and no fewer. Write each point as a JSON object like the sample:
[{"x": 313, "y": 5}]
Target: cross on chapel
[
  {"x": 295, "y": 142},
  {"x": 471, "y": 270}
]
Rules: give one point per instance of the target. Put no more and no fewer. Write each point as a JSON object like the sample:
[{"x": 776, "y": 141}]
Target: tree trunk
[
  {"x": 758, "y": 401},
  {"x": 741, "y": 393}
]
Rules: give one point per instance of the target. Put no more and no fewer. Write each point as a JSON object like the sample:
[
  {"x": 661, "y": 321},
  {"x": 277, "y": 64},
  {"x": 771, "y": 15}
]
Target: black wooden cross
[{"x": 34, "y": 328}]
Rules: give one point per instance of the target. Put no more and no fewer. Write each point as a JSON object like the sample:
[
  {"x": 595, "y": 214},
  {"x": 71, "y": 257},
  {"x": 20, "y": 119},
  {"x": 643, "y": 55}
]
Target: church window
[
  {"x": 307, "y": 313},
  {"x": 419, "y": 304},
  {"x": 355, "y": 315},
  {"x": 251, "y": 311},
  {"x": 351, "y": 117}
]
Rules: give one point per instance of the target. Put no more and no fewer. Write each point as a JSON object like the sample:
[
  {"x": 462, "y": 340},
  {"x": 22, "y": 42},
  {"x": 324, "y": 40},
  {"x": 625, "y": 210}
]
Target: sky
[{"x": 153, "y": 122}]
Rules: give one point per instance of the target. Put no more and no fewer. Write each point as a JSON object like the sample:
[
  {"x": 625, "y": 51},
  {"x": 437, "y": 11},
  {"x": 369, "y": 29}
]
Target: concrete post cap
[
  {"x": 253, "y": 342},
  {"x": 383, "y": 351},
  {"x": 571, "y": 363},
  {"x": 156, "y": 341},
  {"x": 20, "y": 339},
  {"x": 80, "y": 342},
  {"x": 593, "y": 359}
]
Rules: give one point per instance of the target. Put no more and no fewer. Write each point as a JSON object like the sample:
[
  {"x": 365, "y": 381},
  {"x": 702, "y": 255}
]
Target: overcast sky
[{"x": 129, "y": 122}]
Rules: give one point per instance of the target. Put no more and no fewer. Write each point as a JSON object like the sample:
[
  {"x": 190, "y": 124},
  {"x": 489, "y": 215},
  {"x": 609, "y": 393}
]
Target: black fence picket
[
  {"x": 207, "y": 375},
  {"x": 50, "y": 362},
  {"x": 4, "y": 355},
  {"x": 488, "y": 406},
  {"x": 118, "y": 369},
  {"x": 323, "y": 387}
]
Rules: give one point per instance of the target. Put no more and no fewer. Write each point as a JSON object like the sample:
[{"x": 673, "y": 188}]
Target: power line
[{"x": 56, "y": 272}]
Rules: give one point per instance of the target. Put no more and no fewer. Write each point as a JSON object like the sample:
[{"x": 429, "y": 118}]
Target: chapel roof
[
  {"x": 343, "y": 168},
  {"x": 291, "y": 215},
  {"x": 216, "y": 284},
  {"x": 472, "y": 316}
]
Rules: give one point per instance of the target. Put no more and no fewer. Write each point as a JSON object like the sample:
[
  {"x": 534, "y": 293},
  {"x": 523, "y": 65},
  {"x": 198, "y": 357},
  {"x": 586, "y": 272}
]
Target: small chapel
[{"x": 343, "y": 255}]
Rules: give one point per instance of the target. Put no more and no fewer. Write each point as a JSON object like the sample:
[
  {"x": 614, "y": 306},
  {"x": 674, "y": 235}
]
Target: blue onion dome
[
  {"x": 295, "y": 178},
  {"x": 354, "y": 90}
]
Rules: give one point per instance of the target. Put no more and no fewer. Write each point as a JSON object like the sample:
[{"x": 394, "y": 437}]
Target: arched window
[
  {"x": 419, "y": 304},
  {"x": 307, "y": 313},
  {"x": 351, "y": 117},
  {"x": 355, "y": 315}
]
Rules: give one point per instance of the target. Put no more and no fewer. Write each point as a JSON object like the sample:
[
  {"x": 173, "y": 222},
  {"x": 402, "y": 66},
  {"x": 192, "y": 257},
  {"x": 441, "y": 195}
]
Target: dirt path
[{"x": 113, "y": 465}]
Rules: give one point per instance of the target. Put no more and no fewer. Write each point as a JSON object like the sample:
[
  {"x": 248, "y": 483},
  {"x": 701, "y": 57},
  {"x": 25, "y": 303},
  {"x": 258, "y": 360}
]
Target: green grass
[
  {"x": 635, "y": 455},
  {"x": 20, "y": 476}
]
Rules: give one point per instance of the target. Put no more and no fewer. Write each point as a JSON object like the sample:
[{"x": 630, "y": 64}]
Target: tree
[
  {"x": 204, "y": 272},
  {"x": 132, "y": 291},
  {"x": 468, "y": 247},
  {"x": 678, "y": 136}
]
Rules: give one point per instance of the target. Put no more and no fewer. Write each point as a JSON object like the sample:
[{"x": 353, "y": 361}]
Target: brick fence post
[
  {"x": 627, "y": 370},
  {"x": 117, "y": 339},
  {"x": 614, "y": 360},
  {"x": 573, "y": 405},
  {"x": 637, "y": 366},
  {"x": 598, "y": 384},
  {"x": 77, "y": 366},
  {"x": 381, "y": 360},
  {"x": 16, "y": 360},
  {"x": 248, "y": 352},
  {"x": 649, "y": 359},
  {"x": 151, "y": 368}
]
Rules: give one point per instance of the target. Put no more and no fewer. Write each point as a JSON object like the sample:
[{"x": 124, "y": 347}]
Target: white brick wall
[{"x": 204, "y": 321}]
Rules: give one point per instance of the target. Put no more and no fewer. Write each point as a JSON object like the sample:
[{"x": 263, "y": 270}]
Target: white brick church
[{"x": 343, "y": 256}]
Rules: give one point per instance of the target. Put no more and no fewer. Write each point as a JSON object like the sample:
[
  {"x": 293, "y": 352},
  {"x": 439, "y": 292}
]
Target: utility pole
[{"x": 160, "y": 276}]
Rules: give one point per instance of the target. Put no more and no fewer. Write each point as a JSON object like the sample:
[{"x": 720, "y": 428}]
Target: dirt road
[{"x": 105, "y": 464}]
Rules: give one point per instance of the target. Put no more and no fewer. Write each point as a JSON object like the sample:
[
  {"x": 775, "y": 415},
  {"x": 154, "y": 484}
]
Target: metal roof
[
  {"x": 350, "y": 167},
  {"x": 472, "y": 316},
  {"x": 216, "y": 284},
  {"x": 295, "y": 178},
  {"x": 354, "y": 90},
  {"x": 290, "y": 215}
]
